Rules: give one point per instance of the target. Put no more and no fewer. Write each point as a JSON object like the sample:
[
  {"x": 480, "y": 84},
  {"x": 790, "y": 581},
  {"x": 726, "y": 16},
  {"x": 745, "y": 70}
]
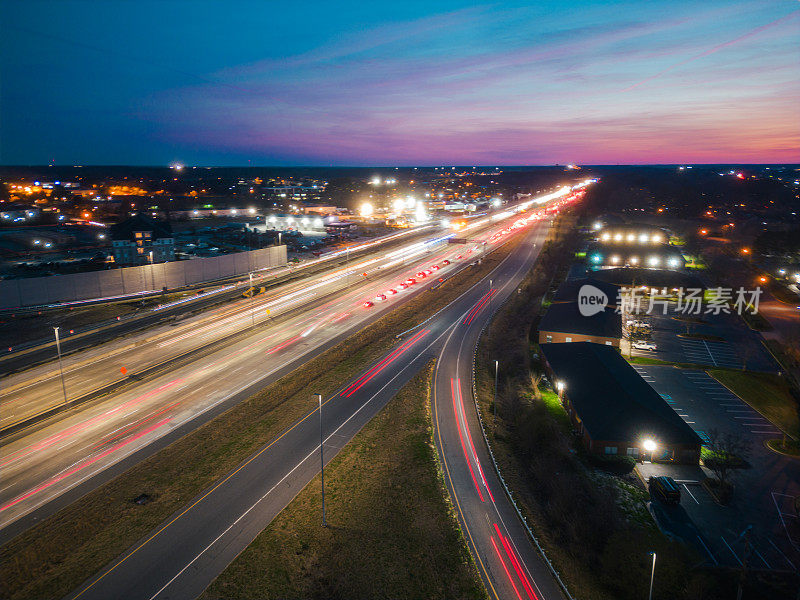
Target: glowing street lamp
[{"x": 366, "y": 209}]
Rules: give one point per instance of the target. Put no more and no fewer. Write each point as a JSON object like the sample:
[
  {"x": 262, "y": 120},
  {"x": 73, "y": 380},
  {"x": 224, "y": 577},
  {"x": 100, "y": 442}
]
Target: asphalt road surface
[
  {"x": 65, "y": 456},
  {"x": 23, "y": 356},
  {"x": 41, "y": 464},
  {"x": 183, "y": 555},
  {"x": 507, "y": 561}
]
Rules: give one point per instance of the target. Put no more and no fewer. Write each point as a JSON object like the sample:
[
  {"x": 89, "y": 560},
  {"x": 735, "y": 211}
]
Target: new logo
[{"x": 591, "y": 300}]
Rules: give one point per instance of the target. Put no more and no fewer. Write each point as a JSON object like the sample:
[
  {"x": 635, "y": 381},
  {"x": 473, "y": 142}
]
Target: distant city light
[{"x": 366, "y": 209}]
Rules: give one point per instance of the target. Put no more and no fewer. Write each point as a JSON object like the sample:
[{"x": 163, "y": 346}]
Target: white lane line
[
  {"x": 707, "y": 550},
  {"x": 686, "y": 487},
  {"x": 731, "y": 549}
]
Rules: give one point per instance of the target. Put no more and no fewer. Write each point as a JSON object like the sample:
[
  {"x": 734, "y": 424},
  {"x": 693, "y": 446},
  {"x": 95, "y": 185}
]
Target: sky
[{"x": 344, "y": 83}]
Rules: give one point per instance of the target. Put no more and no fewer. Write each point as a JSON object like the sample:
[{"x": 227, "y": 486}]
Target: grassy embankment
[
  {"x": 390, "y": 533},
  {"x": 593, "y": 525},
  {"x": 55, "y": 556}
]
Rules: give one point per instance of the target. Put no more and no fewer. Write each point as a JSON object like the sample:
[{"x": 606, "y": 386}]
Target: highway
[
  {"x": 183, "y": 555},
  {"x": 98, "y": 368},
  {"x": 24, "y": 356},
  {"x": 41, "y": 463},
  {"x": 507, "y": 561},
  {"x": 222, "y": 355}
]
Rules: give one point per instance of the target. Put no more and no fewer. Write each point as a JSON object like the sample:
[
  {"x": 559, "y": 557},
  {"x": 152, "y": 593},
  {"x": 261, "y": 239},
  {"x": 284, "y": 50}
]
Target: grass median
[
  {"x": 390, "y": 533},
  {"x": 52, "y": 558}
]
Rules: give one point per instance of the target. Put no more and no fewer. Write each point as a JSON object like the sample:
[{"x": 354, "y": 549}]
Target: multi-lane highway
[
  {"x": 218, "y": 355},
  {"x": 60, "y": 459},
  {"x": 192, "y": 371},
  {"x": 224, "y": 519},
  {"x": 23, "y": 356}
]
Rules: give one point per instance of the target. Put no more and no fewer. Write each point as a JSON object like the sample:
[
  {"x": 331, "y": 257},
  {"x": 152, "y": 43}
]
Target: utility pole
[
  {"x": 60, "y": 366},
  {"x": 496, "y": 369},
  {"x": 321, "y": 461}
]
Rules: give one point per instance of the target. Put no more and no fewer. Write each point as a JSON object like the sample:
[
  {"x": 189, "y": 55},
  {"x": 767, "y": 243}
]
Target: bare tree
[{"x": 727, "y": 452}]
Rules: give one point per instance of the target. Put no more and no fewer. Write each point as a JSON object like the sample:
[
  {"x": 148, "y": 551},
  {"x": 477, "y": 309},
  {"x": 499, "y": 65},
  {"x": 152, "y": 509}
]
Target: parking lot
[
  {"x": 764, "y": 493},
  {"x": 729, "y": 344}
]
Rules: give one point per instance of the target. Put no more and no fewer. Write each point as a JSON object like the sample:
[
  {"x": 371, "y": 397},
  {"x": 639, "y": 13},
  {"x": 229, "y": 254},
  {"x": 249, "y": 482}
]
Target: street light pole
[
  {"x": 321, "y": 461},
  {"x": 60, "y": 366},
  {"x": 252, "y": 297},
  {"x": 496, "y": 369},
  {"x": 652, "y": 575},
  {"x": 152, "y": 273}
]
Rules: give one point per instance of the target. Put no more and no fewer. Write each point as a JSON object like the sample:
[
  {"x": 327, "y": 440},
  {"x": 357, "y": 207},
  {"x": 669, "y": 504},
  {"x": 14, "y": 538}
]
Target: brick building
[{"x": 613, "y": 409}]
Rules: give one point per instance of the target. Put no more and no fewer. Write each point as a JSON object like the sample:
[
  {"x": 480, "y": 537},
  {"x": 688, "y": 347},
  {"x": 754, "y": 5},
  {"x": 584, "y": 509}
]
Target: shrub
[{"x": 613, "y": 463}]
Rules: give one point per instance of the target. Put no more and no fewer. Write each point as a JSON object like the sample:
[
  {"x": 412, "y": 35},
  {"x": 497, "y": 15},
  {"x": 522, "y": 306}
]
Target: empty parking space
[
  {"x": 715, "y": 354},
  {"x": 765, "y": 492},
  {"x": 739, "y": 414}
]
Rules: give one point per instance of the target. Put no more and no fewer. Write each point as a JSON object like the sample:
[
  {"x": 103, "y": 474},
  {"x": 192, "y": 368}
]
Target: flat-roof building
[
  {"x": 613, "y": 409},
  {"x": 563, "y": 322}
]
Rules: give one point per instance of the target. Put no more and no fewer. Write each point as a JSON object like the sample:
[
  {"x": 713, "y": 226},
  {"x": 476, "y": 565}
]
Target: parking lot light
[
  {"x": 650, "y": 445},
  {"x": 652, "y": 575}
]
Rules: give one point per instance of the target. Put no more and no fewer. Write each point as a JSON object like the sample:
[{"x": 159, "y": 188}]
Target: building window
[
  {"x": 549, "y": 338},
  {"x": 634, "y": 452},
  {"x": 611, "y": 450},
  {"x": 569, "y": 339},
  {"x": 609, "y": 344}
]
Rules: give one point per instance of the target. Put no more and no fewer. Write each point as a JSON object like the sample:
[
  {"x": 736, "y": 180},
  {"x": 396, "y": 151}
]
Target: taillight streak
[
  {"x": 516, "y": 564},
  {"x": 455, "y": 393},
  {"x": 477, "y": 308},
  {"x": 361, "y": 381},
  {"x": 77, "y": 468},
  {"x": 469, "y": 439},
  {"x": 505, "y": 568}
]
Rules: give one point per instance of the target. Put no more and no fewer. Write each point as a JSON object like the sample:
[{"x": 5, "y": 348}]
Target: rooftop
[
  {"x": 568, "y": 291},
  {"x": 565, "y": 317},
  {"x": 612, "y": 399}
]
